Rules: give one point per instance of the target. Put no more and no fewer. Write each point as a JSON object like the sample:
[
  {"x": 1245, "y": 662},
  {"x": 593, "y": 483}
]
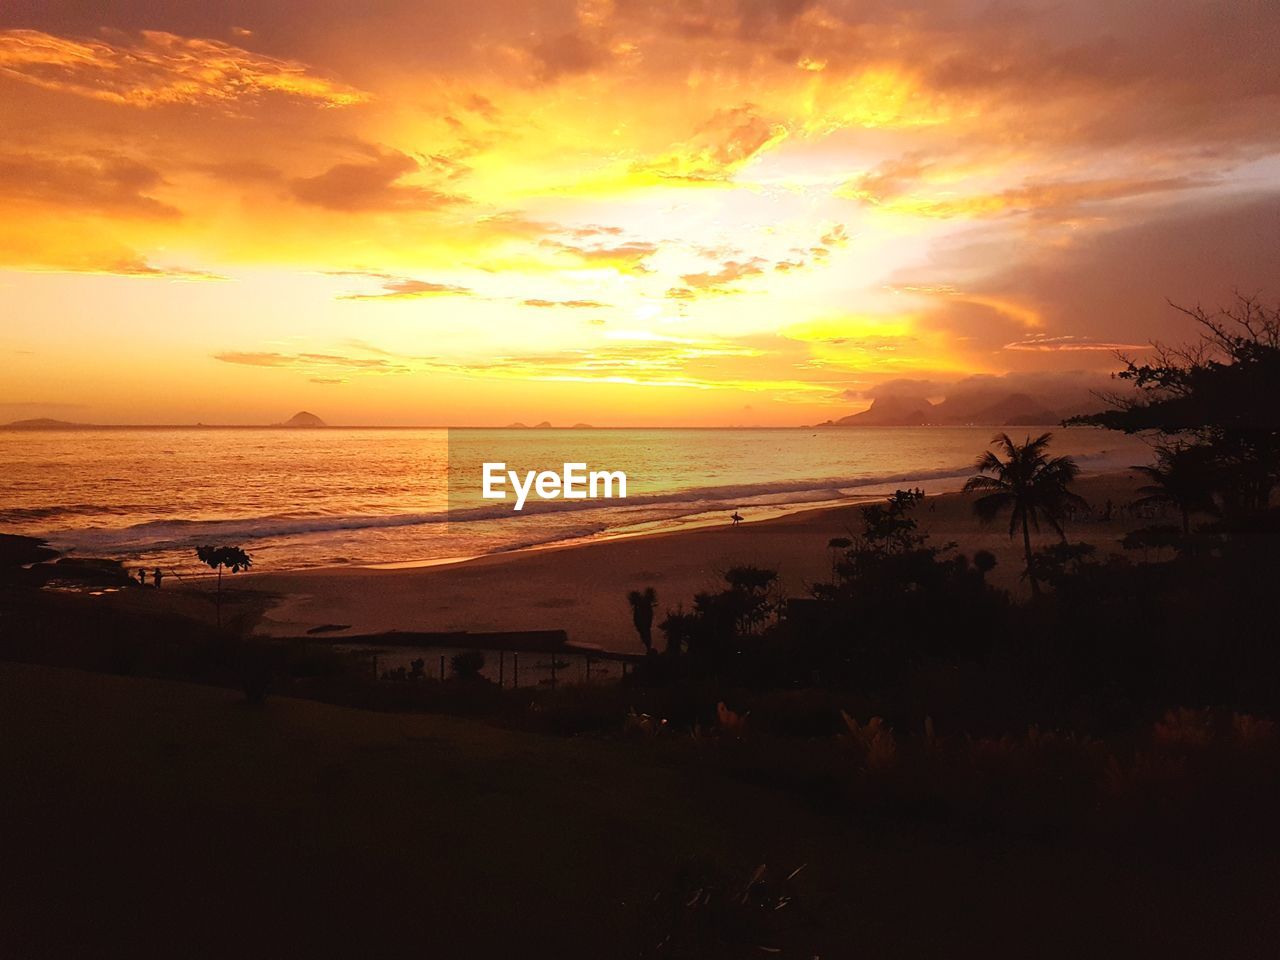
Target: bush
[{"x": 467, "y": 664}]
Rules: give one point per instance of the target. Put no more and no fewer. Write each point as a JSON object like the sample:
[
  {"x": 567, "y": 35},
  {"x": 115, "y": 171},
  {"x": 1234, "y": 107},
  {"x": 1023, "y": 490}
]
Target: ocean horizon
[{"x": 379, "y": 496}]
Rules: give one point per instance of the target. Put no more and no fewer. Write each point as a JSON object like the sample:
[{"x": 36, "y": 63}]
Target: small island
[{"x": 302, "y": 420}]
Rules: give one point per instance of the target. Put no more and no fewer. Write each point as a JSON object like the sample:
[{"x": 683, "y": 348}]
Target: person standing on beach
[
  {"x": 142, "y": 576},
  {"x": 156, "y": 577}
]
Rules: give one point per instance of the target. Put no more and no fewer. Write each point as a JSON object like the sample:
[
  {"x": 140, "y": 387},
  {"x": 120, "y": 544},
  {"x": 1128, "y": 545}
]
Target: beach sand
[{"x": 581, "y": 588}]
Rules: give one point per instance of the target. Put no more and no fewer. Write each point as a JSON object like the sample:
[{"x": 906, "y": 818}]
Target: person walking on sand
[
  {"x": 156, "y": 577},
  {"x": 142, "y": 576},
  {"x": 736, "y": 518}
]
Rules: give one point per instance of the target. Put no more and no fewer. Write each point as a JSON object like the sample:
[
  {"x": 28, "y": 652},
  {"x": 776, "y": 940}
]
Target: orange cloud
[
  {"x": 1070, "y": 343},
  {"x": 401, "y": 288},
  {"x": 1058, "y": 196},
  {"x": 372, "y": 184},
  {"x": 719, "y": 147},
  {"x": 137, "y": 267},
  {"x": 161, "y": 68},
  {"x": 108, "y": 260},
  {"x": 719, "y": 281},
  {"x": 312, "y": 361},
  {"x": 889, "y": 179},
  {"x": 103, "y": 182},
  {"x": 566, "y": 54},
  {"x": 629, "y": 257}
]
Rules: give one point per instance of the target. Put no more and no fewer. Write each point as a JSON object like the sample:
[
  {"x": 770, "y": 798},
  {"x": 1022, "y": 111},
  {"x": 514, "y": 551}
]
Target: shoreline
[
  {"x": 686, "y": 523},
  {"x": 348, "y": 526},
  {"x": 580, "y": 586},
  {"x": 861, "y": 495}
]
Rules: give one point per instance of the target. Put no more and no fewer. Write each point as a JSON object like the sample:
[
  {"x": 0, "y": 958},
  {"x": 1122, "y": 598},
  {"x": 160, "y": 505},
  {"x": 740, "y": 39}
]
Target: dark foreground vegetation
[{"x": 959, "y": 772}]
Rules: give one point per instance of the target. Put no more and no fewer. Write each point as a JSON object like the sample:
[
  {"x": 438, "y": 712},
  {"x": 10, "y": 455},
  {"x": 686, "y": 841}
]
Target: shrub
[{"x": 467, "y": 664}]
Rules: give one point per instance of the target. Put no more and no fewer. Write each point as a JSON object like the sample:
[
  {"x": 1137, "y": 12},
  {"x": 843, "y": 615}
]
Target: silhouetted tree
[
  {"x": 723, "y": 628},
  {"x": 1182, "y": 477},
  {"x": 1221, "y": 392},
  {"x": 836, "y": 545},
  {"x": 643, "y": 603},
  {"x": 679, "y": 628},
  {"x": 893, "y": 598},
  {"x": 888, "y": 553},
  {"x": 232, "y": 558},
  {"x": 1027, "y": 483},
  {"x": 750, "y": 602},
  {"x": 889, "y": 526},
  {"x": 1157, "y": 537},
  {"x": 468, "y": 664},
  {"x": 984, "y": 561},
  {"x": 1058, "y": 561}
]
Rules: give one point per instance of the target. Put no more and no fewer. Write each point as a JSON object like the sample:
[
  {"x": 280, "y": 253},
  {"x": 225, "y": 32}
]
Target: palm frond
[
  {"x": 1063, "y": 469},
  {"x": 1154, "y": 473},
  {"x": 983, "y": 482},
  {"x": 988, "y": 462}
]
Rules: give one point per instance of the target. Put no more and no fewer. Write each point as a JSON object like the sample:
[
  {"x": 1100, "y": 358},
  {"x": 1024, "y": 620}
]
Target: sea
[{"x": 304, "y": 498}]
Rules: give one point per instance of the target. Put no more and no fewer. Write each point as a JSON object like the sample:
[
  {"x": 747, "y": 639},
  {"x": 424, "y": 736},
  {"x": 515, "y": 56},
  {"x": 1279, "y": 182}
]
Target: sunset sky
[{"x": 761, "y": 211}]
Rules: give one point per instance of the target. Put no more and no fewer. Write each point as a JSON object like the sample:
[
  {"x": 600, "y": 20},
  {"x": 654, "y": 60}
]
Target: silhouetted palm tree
[
  {"x": 233, "y": 558},
  {"x": 1027, "y": 483},
  {"x": 1182, "y": 477},
  {"x": 643, "y": 603}
]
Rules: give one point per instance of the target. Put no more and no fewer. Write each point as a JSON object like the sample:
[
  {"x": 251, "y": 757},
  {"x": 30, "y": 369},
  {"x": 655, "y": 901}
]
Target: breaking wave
[{"x": 177, "y": 533}]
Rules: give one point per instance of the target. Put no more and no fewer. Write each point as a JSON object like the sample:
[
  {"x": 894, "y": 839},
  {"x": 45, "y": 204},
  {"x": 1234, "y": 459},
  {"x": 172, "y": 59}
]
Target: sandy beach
[{"x": 581, "y": 588}]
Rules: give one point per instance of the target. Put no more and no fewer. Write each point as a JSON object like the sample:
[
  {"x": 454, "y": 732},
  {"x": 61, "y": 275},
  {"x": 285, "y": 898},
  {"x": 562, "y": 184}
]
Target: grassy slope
[{"x": 164, "y": 819}]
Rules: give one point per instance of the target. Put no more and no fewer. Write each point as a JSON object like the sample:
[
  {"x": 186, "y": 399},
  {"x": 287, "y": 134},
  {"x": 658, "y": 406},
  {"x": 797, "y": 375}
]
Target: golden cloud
[
  {"x": 626, "y": 257},
  {"x": 1070, "y": 343},
  {"x": 109, "y": 261},
  {"x": 718, "y": 148},
  {"x": 719, "y": 281},
  {"x": 400, "y": 288},
  {"x": 574, "y": 304},
  {"x": 308, "y": 362},
  {"x": 161, "y": 68}
]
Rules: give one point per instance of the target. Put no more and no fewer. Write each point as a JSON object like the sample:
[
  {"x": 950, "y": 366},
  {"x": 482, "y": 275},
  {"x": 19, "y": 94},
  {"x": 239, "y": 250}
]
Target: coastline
[{"x": 581, "y": 586}]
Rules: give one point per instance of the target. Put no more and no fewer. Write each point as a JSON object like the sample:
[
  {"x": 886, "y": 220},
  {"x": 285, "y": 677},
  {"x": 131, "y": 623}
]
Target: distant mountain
[
  {"x": 44, "y": 423},
  {"x": 582, "y": 426},
  {"x": 889, "y": 412},
  {"x": 991, "y": 409},
  {"x": 302, "y": 419},
  {"x": 979, "y": 407}
]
